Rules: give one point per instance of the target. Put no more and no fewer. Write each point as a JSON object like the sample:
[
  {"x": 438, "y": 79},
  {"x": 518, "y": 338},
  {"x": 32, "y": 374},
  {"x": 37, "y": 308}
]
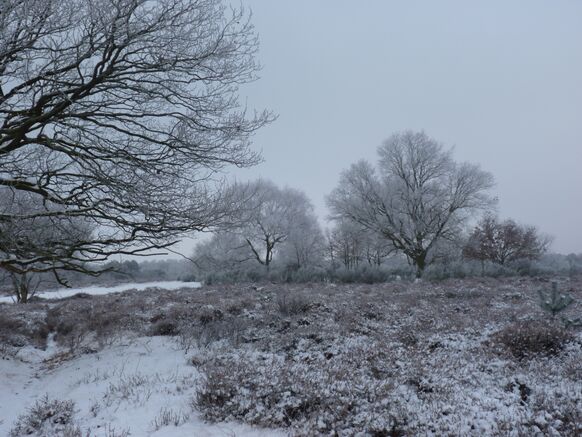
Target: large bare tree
[
  {"x": 119, "y": 114},
  {"x": 416, "y": 196}
]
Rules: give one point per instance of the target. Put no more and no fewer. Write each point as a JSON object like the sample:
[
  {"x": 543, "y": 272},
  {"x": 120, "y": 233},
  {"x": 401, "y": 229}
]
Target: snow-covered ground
[
  {"x": 94, "y": 290},
  {"x": 477, "y": 356},
  {"x": 131, "y": 387}
]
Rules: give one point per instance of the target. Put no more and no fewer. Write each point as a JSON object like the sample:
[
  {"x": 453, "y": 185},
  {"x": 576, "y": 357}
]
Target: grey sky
[{"x": 501, "y": 81}]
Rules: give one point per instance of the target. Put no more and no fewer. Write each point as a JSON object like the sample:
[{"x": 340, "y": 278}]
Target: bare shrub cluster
[
  {"x": 527, "y": 339},
  {"x": 16, "y": 332},
  {"x": 47, "y": 417},
  {"x": 291, "y": 304},
  {"x": 79, "y": 324},
  {"x": 168, "y": 417},
  {"x": 320, "y": 395}
]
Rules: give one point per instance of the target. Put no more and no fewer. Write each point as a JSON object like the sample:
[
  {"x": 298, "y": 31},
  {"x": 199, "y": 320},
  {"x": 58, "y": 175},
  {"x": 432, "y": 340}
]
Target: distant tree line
[{"x": 415, "y": 206}]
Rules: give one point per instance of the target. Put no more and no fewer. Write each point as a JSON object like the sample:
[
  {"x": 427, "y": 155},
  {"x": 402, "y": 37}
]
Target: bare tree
[
  {"x": 505, "y": 242},
  {"x": 275, "y": 215},
  {"x": 344, "y": 242},
  {"x": 305, "y": 245},
  {"x": 120, "y": 113},
  {"x": 223, "y": 252},
  {"x": 417, "y": 196},
  {"x": 273, "y": 223},
  {"x": 352, "y": 245}
]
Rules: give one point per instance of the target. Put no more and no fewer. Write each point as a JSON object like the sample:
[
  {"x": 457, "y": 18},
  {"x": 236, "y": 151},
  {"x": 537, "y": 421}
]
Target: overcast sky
[{"x": 500, "y": 81}]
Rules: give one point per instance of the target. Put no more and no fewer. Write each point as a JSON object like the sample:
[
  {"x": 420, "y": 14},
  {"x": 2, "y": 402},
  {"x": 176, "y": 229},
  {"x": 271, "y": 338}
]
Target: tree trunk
[
  {"x": 269, "y": 255},
  {"x": 21, "y": 287},
  {"x": 420, "y": 263}
]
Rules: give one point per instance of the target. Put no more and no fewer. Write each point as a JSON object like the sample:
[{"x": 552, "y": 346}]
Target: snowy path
[
  {"x": 123, "y": 387},
  {"x": 66, "y": 292}
]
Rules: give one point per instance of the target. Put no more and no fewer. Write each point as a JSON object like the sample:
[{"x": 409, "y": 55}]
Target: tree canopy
[
  {"x": 415, "y": 197},
  {"x": 119, "y": 114}
]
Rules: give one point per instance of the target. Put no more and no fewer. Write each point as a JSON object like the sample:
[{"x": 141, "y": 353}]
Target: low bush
[
  {"x": 230, "y": 329},
  {"x": 99, "y": 321},
  {"x": 292, "y": 304},
  {"x": 363, "y": 275},
  {"x": 315, "y": 395},
  {"x": 565, "y": 410},
  {"x": 18, "y": 330},
  {"x": 47, "y": 417},
  {"x": 164, "y": 327},
  {"x": 304, "y": 274},
  {"x": 526, "y": 339},
  {"x": 168, "y": 417},
  {"x": 209, "y": 314}
]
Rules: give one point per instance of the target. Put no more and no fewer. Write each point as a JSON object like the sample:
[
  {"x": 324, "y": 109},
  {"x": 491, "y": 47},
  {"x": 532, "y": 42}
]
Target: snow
[
  {"x": 123, "y": 387},
  {"x": 94, "y": 290},
  {"x": 425, "y": 358}
]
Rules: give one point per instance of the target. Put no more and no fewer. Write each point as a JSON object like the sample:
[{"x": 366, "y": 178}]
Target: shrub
[
  {"x": 209, "y": 314},
  {"x": 304, "y": 274},
  {"x": 46, "y": 415},
  {"x": 315, "y": 395},
  {"x": 229, "y": 329},
  {"x": 18, "y": 330},
  {"x": 293, "y": 304},
  {"x": 8, "y": 323},
  {"x": 366, "y": 275},
  {"x": 566, "y": 411},
  {"x": 102, "y": 319},
  {"x": 167, "y": 417},
  {"x": 12, "y": 331},
  {"x": 526, "y": 339},
  {"x": 164, "y": 327}
]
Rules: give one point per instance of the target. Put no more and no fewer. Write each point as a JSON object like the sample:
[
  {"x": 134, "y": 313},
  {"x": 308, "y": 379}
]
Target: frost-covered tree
[
  {"x": 223, "y": 251},
  {"x": 351, "y": 245},
  {"x": 276, "y": 217},
  {"x": 273, "y": 223},
  {"x": 120, "y": 113},
  {"x": 416, "y": 196},
  {"x": 505, "y": 242},
  {"x": 305, "y": 245}
]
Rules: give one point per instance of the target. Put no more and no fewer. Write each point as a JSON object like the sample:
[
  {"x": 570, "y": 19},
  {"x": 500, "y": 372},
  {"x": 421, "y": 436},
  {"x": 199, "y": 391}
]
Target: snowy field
[
  {"x": 94, "y": 290},
  {"x": 459, "y": 358},
  {"x": 138, "y": 387}
]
